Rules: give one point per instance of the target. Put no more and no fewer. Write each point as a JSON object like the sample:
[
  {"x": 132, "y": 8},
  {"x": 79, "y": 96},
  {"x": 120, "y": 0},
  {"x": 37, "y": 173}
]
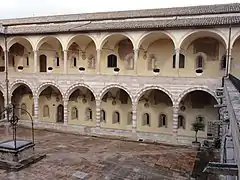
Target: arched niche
[
  {"x": 82, "y": 101},
  {"x": 117, "y": 104},
  {"x": 155, "y": 103}
]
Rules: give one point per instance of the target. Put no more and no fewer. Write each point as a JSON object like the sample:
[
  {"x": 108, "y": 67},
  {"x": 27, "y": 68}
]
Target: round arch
[
  {"x": 210, "y": 33},
  {"x": 18, "y": 83},
  {"x": 145, "y": 89},
  {"x": 71, "y": 39},
  {"x": 72, "y": 88},
  {"x": 234, "y": 39},
  {"x": 187, "y": 91},
  {"x": 45, "y": 39},
  {"x": 14, "y": 40},
  {"x": 103, "y": 41},
  {"x": 107, "y": 88},
  {"x": 146, "y": 34},
  {"x": 44, "y": 86}
]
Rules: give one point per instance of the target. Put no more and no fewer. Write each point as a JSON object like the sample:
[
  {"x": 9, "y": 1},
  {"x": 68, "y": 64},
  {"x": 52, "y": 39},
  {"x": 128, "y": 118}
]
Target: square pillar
[
  {"x": 35, "y": 104},
  {"x": 229, "y": 61},
  {"x": 98, "y": 113},
  {"x": 177, "y": 52},
  {"x": 65, "y": 111},
  {"x": 65, "y": 61},
  {"x": 175, "y": 123},
  {"x": 134, "y": 117},
  {"x": 35, "y": 61},
  {"x": 5, "y": 60},
  {"x": 136, "y": 51}
]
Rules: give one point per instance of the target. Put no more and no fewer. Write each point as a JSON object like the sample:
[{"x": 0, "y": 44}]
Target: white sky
[{"x": 26, "y": 8}]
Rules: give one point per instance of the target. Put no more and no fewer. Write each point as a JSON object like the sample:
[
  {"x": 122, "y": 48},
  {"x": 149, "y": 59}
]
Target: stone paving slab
[{"x": 80, "y": 157}]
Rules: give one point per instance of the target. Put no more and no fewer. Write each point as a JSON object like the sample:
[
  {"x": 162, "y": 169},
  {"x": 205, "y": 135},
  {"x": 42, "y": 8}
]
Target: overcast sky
[{"x": 26, "y": 8}]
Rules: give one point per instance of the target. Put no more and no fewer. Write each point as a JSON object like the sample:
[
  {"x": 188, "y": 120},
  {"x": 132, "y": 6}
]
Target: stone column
[
  {"x": 98, "y": 113},
  {"x": 98, "y": 63},
  {"x": 35, "y": 61},
  {"x": 35, "y": 104},
  {"x": 65, "y": 111},
  {"x": 175, "y": 123},
  {"x": 229, "y": 61},
  {"x": 5, "y": 60},
  {"x": 65, "y": 61},
  {"x": 136, "y": 51},
  {"x": 177, "y": 52},
  {"x": 134, "y": 117}
]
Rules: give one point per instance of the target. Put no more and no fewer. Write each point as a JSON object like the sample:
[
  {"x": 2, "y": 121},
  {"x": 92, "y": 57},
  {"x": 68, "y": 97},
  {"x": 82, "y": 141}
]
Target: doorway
[
  {"x": 60, "y": 114},
  {"x": 43, "y": 63}
]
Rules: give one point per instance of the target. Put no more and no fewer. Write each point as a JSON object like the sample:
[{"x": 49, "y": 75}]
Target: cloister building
[{"x": 140, "y": 74}]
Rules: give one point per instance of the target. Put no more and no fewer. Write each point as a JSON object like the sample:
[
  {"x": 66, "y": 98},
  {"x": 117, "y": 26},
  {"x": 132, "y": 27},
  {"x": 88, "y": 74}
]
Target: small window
[
  {"x": 27, "y": 61},
  {"x": 129, "y": 120},
  {"x": 224, "y": 62},
  {"x": 116, "y": 117},
  {"x": 146, "y": 119},
  {"x": 57, "y": 63},
  {"x": 162, "y": 121},
  {"x": 46, "y": 111},
  {"x": 199, "y": 61},
  {"x": 74, "y": 113},
  {"x": 112, "y": 61},
  {"x": 13, "y": 61},
  {"x": 181, "y": 122},
  {"x": 181, "y": 61},
  {"x": 74, "y": 62},
  {"x": 200, "y": 119},
  {"x": 88, "y": 114},
  {"x": 33, "y": 110},
  {"x": 102, "y": 116},
  {"x": 23, "y": 108}
]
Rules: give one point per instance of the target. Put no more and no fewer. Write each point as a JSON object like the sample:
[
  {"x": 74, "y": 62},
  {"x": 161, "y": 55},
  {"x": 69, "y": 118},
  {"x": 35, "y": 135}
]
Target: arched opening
[
  {"x": 43, "y": 63},
  {"x": 51, "y": 48},
  {"x": 204, "y": 49},
  {"x": 155, "y": 51},
  {"x": 82, "y": 103},
  {"x": 22, "y": 97},
  {"x": 235, "y": 58},
  {"x": 117, "y": 51},
  {"x": 82, "y": 53},
  {"x": 181, "y": 64},
  {"x": 20, "y": 55},
  {"x": 50, "y": 105},
  {"x": 194, "y": 105},
  {"x": 60, "y": 114},
  {"x": 150, "y": 103},
  {"x": 117, "y": 104},
  {"x": 2, "y": 60},
  {"x": 2, "y": 115}
]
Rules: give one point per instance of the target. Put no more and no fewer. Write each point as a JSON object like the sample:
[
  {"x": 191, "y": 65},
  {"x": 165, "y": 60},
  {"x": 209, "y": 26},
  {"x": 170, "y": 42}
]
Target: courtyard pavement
[{"x": 76, "y": 157}]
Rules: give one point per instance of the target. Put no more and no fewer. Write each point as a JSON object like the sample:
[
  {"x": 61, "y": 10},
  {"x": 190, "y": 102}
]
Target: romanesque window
[
  {"x": 181, "y": 61},
  {"x": 13, "y": 61},
  {"x": 199, "y": 62},
  {"x": 112, "y": 61},
  {"x": 57, "y": 62},
  {"x": 116, "y": 117},
  {"x": 74, "y": 113},
  {"x": 26, "y": 61},
  {"x": 129, "y": 119},
  {"x": 102, "y": 116},
  {"x": 174, "y": 61},
  {"x": 45, "y": 111},
  {"x": 74, "y": 61},
  {"x": 223, "y": 62},
  {"x": 162, "y": 122},
  {"x": 23, "y": 108},
  {"x": 181, "y": 122},
  {"x": 152, "y": 62},
  {"x": 88, "y": 114},
  {"x": 146, "y": 119},
  {"x": 33, "y": 110}
]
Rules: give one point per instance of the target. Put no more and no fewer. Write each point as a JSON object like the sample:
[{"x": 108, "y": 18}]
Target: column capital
[
  {"x": 177, "y": 50},
  {"x": 65, "y": 50}
]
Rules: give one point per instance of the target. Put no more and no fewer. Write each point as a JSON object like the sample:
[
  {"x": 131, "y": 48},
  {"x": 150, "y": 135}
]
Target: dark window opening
[{"x": 112, "y": 61}]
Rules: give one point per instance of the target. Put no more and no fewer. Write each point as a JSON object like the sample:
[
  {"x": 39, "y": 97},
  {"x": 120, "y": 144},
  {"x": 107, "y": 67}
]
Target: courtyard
[{"x": 72, "y": 157}]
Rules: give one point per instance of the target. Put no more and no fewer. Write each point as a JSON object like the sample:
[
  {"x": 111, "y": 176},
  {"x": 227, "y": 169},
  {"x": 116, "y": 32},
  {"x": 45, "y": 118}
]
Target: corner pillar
[
  {"x": 134, "y": 117},
  {"x": 175, "y": 123},
  {"x": 65, "y": 111},
  {"x": 229, "y": 61},
  {"x": 5, "y": 60},
  {"x": 136, "y": 51},
  {"x": 98, "y": 113},
  {"x": 65, "y": 62},
  {"x": 35, "y": 104},
  {"x": 177, "y": 52}
]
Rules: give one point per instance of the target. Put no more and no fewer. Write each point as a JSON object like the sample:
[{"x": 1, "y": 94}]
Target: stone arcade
[{"x": 142, "y": 74}]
